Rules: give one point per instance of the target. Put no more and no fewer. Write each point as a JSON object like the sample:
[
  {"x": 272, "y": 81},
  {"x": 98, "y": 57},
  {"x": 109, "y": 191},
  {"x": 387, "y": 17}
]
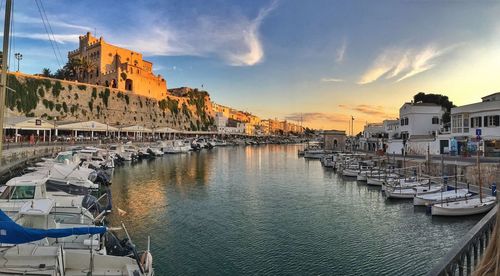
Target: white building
[
  {"x": 391, "y": 127},
  {"x": 419, "y": 124},
  {"x": 220, "y": 119},
  {"x": 468, "y": 120},
  {"x": 422, "y": 119},
  {"x": 373, "y": 137}
]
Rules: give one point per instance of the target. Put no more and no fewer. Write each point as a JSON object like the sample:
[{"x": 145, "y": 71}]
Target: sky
[{"x": 316, "y": 61}]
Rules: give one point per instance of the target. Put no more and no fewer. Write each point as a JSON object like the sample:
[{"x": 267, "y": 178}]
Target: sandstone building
[{"x": 116, "y": 67}]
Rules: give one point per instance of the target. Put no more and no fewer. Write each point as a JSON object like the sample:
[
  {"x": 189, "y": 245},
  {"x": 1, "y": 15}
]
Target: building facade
[
  {"x": 116, "y": 67},
  {"x": 468, "y": 121},
  {"x": 334, "y": 140},
  {"x": 420, "y": 119}
]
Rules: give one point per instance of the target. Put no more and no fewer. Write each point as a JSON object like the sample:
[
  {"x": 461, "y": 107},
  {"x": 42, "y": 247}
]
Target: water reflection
[{"x": 264, "y": 210}]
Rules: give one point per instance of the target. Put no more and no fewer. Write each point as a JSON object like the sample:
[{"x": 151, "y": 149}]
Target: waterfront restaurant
[
  {"x": 481, "y": 118},
  {"x": 20, "y": 128}
]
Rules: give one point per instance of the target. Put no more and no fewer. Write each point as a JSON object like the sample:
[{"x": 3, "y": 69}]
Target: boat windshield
[
  {"x": 7, "y": 192},
  {"x": 62, "y": 157},
  {"x": 23, "y": 192}
]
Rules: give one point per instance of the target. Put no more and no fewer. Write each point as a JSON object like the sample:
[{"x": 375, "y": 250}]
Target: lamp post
[{"x": 19, "y": 57}]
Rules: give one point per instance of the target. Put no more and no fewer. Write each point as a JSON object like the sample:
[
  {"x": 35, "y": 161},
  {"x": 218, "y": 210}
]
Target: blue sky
[{"x": 322, "y": 60}]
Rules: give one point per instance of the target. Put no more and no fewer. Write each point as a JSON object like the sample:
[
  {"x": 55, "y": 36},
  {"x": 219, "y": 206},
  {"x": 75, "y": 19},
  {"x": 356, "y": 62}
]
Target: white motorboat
[
  {"x": 441, "y": 197},
  {"x": 176, "y": 146},
  {"x": 314, "y": 154},
  {"x": 28, "y": 187},
  {"x": 65, "y": 243},
  {"x": 470, "y": 206},
  {"x": 409, "y": 193}
]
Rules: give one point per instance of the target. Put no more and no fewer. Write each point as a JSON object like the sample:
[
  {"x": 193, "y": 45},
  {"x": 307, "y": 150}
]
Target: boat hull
[{"x": 442, "y": 210}]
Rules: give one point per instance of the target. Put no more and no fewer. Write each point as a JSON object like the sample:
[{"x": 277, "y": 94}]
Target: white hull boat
[
  {"x": 314, "y": 154},
  {"x": 448, "y": 196},
  {"x": 409, "y": 193},
  {"x": 350, "y": 173},
  {"x": 471, "y": 206}
]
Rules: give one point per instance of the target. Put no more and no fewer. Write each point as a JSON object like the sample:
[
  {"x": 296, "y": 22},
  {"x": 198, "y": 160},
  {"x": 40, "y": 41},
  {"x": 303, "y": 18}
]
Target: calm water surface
[{"x": 263, "y": 210}]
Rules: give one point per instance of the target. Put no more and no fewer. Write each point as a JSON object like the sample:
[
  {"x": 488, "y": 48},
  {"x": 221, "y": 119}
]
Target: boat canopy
[{"x": 13, "y": 233}]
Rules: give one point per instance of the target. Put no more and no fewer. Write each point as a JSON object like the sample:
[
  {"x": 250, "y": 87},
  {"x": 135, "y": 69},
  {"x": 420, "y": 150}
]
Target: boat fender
[{"x": 147, "y": 261}]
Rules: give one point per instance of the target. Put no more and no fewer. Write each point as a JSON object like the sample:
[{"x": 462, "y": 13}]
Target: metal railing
[{"x": 465, "y": 256}]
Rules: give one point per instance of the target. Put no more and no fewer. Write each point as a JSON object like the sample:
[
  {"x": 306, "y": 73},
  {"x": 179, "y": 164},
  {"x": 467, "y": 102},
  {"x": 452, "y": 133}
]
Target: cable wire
[{"x": 48, "y": 34}]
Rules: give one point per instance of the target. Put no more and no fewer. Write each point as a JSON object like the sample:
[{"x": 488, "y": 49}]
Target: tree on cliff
[
  {"x": 46, "y": 73},
  {"x": 438, "y": 99},
  {"x": 71, "y": 70}
]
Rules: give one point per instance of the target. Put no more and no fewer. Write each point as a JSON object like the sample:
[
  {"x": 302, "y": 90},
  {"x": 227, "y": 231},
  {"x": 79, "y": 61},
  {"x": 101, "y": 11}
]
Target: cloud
[
  {"x": 317, "y": 116},
  {"x": 331, "y": 80},
  {"x": 370, "y": 110},
  {"x": 53, "y": 20},
  {"x": 59, "y": 38},
  {"x": 398, "y": 64},
  {"x": 340, "y": 53},
  {"x": 232, "y": 37}
]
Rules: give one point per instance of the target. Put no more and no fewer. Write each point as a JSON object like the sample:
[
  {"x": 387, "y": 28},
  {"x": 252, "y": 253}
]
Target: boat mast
[
  {"x": 5, "y": 57},
  {"x": 479, "y": 175}
]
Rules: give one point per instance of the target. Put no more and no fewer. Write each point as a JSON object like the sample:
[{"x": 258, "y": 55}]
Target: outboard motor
[
  {"x": 115, "y": 246},
  {"x": 91, "y": 203},
  {"x": 101, "y": 177}
]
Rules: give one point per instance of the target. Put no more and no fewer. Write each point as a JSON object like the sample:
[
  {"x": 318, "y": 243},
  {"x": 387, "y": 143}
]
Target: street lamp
[{"x": 19, "y": 57}]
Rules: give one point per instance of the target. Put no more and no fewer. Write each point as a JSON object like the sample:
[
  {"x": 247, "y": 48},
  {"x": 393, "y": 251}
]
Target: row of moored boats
[
  {"x": 406, "y": 183},
  {"x": 53, "y": 220}
]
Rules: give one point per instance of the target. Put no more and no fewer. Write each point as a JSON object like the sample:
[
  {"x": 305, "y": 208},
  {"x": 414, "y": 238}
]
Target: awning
[
  {"x": 135, "y": 128},
  {"x": 166, "y": 130},
  {"x": 28, "y": 123},
  {"x": 85, "y": 126}
]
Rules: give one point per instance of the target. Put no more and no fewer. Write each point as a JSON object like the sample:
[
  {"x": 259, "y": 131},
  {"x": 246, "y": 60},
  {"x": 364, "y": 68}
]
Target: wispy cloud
[
  {"x": 331, "y": 80},
  {"x": 309, "y": 117},
  {"x": 377, "y": 111},
  {"x": 340, "y": 53},
  {"x": 233, "y": 38},
  {"x": 55, "y": 22},
  {"x": 399, "y": 64},
  {"x": 59, "y": 38}
]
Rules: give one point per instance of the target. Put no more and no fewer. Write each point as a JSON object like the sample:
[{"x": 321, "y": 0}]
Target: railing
[{"x": 464, "y": 256}]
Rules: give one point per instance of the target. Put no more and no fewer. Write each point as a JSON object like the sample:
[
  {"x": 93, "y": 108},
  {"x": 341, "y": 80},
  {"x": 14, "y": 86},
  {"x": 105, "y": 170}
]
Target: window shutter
[
  {"x": 485, "y": 121},
  {"x": 496, "y": 120}
]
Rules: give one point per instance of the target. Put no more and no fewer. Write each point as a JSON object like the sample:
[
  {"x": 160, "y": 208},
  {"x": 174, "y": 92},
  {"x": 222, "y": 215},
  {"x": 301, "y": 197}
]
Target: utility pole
[{"x": 3, "y": 81}]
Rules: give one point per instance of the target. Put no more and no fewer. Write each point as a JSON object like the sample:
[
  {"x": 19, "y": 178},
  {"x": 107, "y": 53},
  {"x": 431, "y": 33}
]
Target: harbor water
[{"x": 263, "y": 210}]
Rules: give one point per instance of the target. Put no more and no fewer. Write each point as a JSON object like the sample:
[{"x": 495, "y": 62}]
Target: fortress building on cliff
[{"x": 112, "y": 66}]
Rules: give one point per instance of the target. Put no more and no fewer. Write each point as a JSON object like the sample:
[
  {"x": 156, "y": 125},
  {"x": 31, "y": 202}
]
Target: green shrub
[
  {"x": 94, "y": 93},
  {"x": 127, "y": 100},
  {"x": 76, "y": 96},
  {"x": 70, "y": 87},
  {"x": 56, "y": 90},
  {"x": 58, "y": 107},
  {"x": 91, "y": 105},
  {"x": 65, "y": 107},
  {"x": 83, "y": 87},
  {"x": 51, "y": 105},
  {"x": 41, "y": 93},
  {"x": 105, "y": 96}
]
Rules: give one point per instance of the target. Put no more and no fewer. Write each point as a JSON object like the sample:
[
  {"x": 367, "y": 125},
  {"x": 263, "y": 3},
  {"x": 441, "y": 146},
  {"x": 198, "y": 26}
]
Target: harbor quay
[{"x": 249, "y": 138}]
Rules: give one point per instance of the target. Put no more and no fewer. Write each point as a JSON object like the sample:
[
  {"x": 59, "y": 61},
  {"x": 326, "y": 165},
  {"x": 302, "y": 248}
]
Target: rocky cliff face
[{"x": 50, "y": 98}]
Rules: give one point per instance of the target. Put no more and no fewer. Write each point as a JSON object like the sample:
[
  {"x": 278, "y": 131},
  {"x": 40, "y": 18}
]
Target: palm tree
[
  {"x": 87, "y": 67},
  {"x": 46, "y": 72},
  {"x": 72, "y": 68}
]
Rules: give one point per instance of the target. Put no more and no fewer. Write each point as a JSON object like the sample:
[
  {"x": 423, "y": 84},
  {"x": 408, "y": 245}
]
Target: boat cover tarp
[{"x": 13, "y": 233}]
